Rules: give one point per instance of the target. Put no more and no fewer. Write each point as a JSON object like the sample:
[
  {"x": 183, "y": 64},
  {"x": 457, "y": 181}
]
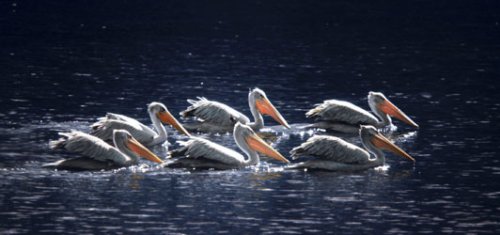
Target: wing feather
[
  {"x": 341, "y": 111},
  {"x": 213, "y": 112},
  {"x": 331, "y": 148},
  {"x": 105, "y": 126},
  {"x": 88, "y": 146},
  {"x": 201, "y": 148}
]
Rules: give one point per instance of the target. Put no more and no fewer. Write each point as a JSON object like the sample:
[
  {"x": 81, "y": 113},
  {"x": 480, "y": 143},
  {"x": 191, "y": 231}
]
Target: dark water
[{"x": 63, "y": 64}]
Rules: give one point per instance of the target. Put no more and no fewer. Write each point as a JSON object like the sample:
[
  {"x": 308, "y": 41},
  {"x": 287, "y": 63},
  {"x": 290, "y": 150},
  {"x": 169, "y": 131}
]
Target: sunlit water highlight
[{"x": 439, "y": 64}]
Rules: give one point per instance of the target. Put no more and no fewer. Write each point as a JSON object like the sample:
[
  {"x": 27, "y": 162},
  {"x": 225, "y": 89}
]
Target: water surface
[{"x": 65, "y": 64}]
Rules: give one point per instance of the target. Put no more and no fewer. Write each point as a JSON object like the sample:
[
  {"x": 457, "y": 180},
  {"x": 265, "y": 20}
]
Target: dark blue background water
[{"x": 64, "y": 63}]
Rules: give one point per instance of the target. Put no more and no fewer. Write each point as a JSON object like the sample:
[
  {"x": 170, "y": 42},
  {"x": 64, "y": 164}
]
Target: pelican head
[
  {"x": 378, "y": 101},
  {"x": 258, "y": 98},
  {"x": 160, "y": 111},
  {"x": 372, "y": 139},
  {"x": 124, "y": 138},
  {"x": 247, "y": 140}
]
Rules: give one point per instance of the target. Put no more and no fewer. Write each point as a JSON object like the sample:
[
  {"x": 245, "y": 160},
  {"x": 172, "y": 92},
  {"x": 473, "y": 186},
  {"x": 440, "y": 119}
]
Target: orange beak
[
  {"x": 259, "y": 145},
  {"x": 265, "y": 107},
  {"x": 389, "y": 108},
  {"x": 142, "y": 151},
  {"x": 381, "y": 142},
  {"x": 167, "y": 118}
]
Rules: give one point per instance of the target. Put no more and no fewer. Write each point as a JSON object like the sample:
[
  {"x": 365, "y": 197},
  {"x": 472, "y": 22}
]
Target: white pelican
[
  {"x": 201, "y": 153},
  {"x": 145, "y": 135},
  {"x": 346, "y": 117},
  {"x": 213, "y": 116},
  {"x": 97, "y": 154},
  {"x": 335, "y": 154}
]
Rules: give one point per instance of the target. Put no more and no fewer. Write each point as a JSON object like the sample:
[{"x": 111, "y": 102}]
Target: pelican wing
[
  {"x": 213, "y": 112},
  {"x": 332, "y": 149},
  {"x": 341, "y": 111},
  {"x": 105, "y": 126},
  {"x": 88, "y": 146},
  {"x": 198, "y": 147}
]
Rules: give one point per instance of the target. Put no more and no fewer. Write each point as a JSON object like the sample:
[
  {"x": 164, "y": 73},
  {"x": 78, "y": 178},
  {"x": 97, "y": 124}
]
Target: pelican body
[
  {"x": 157, "y": 112},
  {"x": 346, "y": 117},
  {"x": 203, "y": 154},
  {"x": 212, "y": 116},
  {"x": 335, "y": 154},
  {"x": 96, "y": 154}
]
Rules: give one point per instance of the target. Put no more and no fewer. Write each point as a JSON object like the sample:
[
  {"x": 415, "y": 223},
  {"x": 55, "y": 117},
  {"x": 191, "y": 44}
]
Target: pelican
[
  {"x": 157, "y": 112},
  {"x": 97, "y": 154},
  {"x": 335, "y": 154},
  {"x": 213, "y": 116},
  {"x": 346, "y": 117},
  {"x": 201, "y": 153}
]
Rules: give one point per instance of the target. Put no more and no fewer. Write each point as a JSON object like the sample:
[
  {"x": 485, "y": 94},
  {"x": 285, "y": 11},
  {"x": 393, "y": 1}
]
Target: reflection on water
[{"x": 435, "y": 64}]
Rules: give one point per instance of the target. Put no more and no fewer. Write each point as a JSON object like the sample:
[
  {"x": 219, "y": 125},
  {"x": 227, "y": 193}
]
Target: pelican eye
[{"x": 232, "y": 119}]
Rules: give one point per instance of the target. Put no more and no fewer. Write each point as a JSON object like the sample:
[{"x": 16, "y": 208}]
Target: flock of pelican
[{"x": 117, "y": 141}]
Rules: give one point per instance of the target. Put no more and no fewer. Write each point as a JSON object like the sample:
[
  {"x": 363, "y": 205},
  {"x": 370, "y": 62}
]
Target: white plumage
[
  {"x": 214, "y": 112},
  {"x": 346, "y": 117},
  {"x": 96, "y": 154},
  {"x": 341, "y": 111},
  {"x": 201, "y": 148},
  {"x": 201, "y": 153},
  {"x": 213, "y": 116},
  {"x": 158, "y": 114},
  {"x": 334, "y": 154},
  {"x": 331, "y": 148},
  {"x": 89, "y": 146},
  {"x": 104, "y": 127}
]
